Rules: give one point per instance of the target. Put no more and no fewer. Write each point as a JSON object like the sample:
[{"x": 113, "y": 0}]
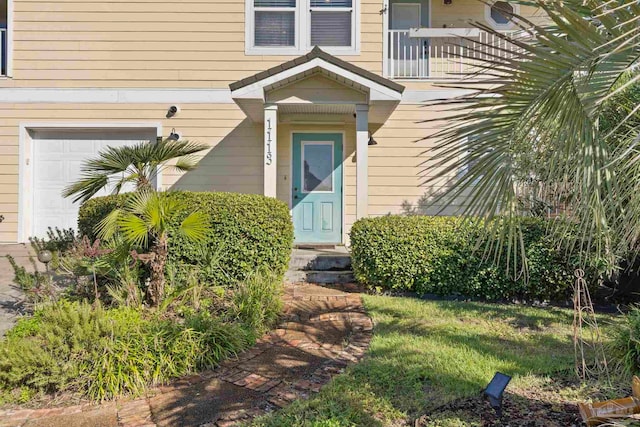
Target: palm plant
[
  {"x": 138, "y": 164},
  {"x": 539, "y": 118},
  {"x": 146, "y": 222}
]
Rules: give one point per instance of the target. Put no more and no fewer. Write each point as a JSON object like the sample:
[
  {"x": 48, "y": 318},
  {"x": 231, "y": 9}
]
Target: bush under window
[
  {"x": 439, "y": 255},
  {"x": 247, "y": 233}
]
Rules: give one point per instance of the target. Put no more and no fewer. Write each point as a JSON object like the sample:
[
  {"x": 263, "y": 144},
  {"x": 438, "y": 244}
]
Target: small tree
[
  {"x": 145, "y": 223},
  {"x": 138, "y": 164}
]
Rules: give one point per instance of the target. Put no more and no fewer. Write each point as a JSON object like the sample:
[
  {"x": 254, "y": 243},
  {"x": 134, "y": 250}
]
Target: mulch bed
[
  {"x": 517, "y": 411},
  {"x": 541, "y": 405}
]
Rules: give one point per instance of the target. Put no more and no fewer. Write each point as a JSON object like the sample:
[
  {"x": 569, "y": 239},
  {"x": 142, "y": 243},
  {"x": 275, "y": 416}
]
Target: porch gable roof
[{"x": 318, "y": 54}]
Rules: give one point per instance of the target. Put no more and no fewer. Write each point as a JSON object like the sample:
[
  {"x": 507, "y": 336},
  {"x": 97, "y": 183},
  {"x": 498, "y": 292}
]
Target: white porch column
[
  {"x": 362, "y": 161},
  {"x": 270, "y": 149}
]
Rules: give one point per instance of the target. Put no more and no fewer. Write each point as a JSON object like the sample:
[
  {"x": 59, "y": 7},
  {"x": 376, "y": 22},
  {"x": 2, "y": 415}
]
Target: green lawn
[{"x": 425, "y": 354}]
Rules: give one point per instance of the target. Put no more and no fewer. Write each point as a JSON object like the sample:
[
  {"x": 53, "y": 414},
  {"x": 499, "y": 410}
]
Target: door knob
[{"x": 295, "y": 197}]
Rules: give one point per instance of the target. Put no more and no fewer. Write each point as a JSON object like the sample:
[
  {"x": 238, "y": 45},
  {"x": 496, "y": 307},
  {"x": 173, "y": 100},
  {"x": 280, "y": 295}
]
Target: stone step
[
  {"x": 313, "y": 260},
  {"x": 320, "y": 277}
]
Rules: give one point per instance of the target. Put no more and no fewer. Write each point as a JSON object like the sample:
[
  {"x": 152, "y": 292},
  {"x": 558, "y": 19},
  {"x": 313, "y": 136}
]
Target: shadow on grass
[{"x": 416, "y": 364}]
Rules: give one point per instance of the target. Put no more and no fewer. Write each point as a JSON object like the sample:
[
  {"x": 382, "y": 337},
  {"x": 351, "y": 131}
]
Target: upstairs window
[
  {"x": 275, "y": 23},
  {"x": 292, "y": 27},
  {"x": 331, "y": 22}
]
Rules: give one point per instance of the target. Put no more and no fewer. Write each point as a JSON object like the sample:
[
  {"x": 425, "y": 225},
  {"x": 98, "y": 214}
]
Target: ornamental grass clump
[{"x": 257, "y": 301}]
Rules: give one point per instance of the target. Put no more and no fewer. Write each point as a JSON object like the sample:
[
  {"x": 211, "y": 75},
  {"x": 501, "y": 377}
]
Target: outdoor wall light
[
  {"x": 172, "y": 111},
  {"x": 495, "y": 390},
  {"x": 371, "y": 140},
  {"x": 174, "y": 136}
]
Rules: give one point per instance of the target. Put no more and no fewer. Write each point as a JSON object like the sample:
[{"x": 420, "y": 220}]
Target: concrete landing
[{"x": 323, "y": 266}]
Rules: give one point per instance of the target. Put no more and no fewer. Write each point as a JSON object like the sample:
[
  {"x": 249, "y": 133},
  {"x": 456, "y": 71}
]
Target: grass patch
[{"x": 426, "y": 354}]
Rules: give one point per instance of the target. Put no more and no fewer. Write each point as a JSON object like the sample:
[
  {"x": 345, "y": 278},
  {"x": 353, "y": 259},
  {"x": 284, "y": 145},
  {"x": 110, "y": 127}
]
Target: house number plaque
[{"x": 268, "y": 153}]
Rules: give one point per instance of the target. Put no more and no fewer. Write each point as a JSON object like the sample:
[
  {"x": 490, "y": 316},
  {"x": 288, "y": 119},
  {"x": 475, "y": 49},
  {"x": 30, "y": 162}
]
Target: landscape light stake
[
  {"x": 495, "y": 391},
  {"x": 586, "y": 334},
  {"x": 45, "y": 257}
]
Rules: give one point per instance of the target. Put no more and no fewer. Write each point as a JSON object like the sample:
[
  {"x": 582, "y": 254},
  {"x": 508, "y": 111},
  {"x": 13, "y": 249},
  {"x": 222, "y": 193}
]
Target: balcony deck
[{"x": 434, "y": 54}]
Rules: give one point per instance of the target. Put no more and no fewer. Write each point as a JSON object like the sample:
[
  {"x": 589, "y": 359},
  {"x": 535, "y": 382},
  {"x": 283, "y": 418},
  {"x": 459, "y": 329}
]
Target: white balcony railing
[
  {"x": 436, "y": 54},
  {"x": 3, "y": 51}
]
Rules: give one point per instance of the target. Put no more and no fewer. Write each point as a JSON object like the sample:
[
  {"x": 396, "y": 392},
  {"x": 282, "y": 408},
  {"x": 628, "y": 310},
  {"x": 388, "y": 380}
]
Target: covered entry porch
[{"x": 318, "y": 115}]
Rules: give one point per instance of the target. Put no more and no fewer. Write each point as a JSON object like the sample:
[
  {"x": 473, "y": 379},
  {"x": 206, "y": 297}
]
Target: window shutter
[{"x": 330, "y": 28}]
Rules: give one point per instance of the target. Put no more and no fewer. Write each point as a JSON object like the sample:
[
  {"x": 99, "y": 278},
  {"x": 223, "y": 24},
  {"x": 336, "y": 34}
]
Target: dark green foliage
[
  {"x": 257, "y": 301},
  {"x": 625, "y": 347},
  {"x": 248, "y": 232},
  {"x": 57, "y": 240},
  {"x": 106, "y": 353},
  {"x": 439, "y": 255}
]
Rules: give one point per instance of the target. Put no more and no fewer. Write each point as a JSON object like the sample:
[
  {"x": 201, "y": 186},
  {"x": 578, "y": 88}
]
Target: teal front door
[{"x": 317, "y": 187}]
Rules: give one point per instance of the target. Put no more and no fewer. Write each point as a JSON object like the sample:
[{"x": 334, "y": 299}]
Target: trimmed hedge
[
  {"x": 248, "y": 232},
  {"x": 438, "y": 255}
]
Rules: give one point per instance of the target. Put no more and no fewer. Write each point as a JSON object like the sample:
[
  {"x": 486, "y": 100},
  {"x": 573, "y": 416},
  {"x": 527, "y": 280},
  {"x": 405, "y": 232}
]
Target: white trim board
[
  {"x": 168, "y": 96},
  {"x": 25, "y": 163},
  {"x": 115, "y": 96}
]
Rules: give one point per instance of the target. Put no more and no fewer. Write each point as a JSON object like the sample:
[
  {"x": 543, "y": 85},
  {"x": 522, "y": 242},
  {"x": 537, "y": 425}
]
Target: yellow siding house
[{"x": 316, "y": 102}]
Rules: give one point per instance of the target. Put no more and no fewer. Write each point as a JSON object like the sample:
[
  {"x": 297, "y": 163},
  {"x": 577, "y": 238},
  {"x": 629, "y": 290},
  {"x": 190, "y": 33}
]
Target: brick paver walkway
[{"x": 323, "y": 331}]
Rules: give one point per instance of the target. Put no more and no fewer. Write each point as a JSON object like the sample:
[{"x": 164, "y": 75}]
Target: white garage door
[{"x": 57, "y": 159}]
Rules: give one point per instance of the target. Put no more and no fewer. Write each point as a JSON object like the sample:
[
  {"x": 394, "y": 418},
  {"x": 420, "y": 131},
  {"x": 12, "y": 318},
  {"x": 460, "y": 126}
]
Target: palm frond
[
  {"x": 550, "y": 100},
  {"x": 86, "y": 187},
  {"x": 108, "y": 227},
  {"x": 138, "y": 163},
  {"x": 134, "y": 229},
  {"x": 195, "y": 226}
]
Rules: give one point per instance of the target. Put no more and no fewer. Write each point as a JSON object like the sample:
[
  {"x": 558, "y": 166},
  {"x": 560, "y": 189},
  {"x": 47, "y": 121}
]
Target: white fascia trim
[
  {"x": 422, "y": 96},
  {"x": 256, "y": 90},
  {"x": 174, "y": 96},
  {"x": 92, "y": 125},
  {"x": 115, "y": 96}
]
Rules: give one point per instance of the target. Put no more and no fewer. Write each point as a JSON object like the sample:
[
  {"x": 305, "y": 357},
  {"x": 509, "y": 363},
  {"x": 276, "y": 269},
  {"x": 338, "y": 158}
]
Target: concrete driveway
[{"x": 10, "y": 294}]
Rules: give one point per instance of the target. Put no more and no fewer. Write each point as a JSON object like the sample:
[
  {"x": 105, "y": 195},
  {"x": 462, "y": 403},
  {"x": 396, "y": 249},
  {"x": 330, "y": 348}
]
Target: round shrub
[
  {"x": 439, "y": 255},
  {"x": 248, "y": 232}
]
